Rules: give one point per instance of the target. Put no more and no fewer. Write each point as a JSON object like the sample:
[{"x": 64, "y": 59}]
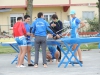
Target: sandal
[
  {"x": 35, "y": 65},
  {"x": 45, "y": 65}
]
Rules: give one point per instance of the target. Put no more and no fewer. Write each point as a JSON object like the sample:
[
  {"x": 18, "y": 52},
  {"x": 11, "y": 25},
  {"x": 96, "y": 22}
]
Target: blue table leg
[
  {"x": 16, "y": 58},
  {"x": 65, "y": 56},
  {"x": 16, "y": 48},
  {"x": 73, "y": 54}
]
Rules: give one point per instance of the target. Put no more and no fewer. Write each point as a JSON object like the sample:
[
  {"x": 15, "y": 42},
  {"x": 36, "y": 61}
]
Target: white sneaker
[
  {"x": 18, "y": 66},
  {"x": 22, "y": 66}
]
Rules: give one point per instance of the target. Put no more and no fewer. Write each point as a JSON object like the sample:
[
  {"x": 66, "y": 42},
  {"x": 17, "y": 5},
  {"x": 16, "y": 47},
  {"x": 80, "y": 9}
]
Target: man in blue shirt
[
  {"x": 76, "y": 24},
  {"x": 29, "y": 44},
  {"x": 40, "y": 27},
  {"x": 53, "y": 53}
]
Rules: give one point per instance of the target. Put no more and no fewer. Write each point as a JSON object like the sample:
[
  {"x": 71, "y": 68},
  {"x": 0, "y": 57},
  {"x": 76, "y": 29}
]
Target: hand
[
  {"x": 58, "y": 36},
  {"x": 52, "y": 25},
  {"x": 50, "y": 36},
  {"x": 32, "y": 35},
  {"x": 28, "y": 33},
  {"x": 54, "y": 36}
]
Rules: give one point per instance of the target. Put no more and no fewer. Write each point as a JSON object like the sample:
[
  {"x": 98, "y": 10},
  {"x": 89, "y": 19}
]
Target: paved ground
[{"x": 91, "y": 66}]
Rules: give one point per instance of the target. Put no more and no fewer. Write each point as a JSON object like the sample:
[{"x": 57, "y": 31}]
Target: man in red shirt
[{"x": 19, "y": 33}]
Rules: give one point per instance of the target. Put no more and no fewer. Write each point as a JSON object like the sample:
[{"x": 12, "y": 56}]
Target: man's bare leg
[
  {"x": 57, "y": 54},
  {"x": 49, "y": 57},
  {"x": 20, "y": 52},
  {"x": 74, "y": 47},
  {"x": 23, "y": 49},
  {"x": 29, "y": 54},
  {"x": 80, "y": 54}
]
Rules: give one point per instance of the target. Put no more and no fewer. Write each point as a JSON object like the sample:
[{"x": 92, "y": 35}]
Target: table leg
[
  {"x": 15, "y": 47},
  {"x": 73, "y": 54},
  {"x": 65, "y": 56}
]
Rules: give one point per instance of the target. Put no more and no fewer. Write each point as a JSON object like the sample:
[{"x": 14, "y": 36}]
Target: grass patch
[
  {"x": 6, "y": 50},
  {"x": 90, "y": 46}
]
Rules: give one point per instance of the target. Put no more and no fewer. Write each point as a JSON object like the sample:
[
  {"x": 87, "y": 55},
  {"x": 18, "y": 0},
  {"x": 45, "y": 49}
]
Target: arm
[
  {"x": 52, "y": 24},
  {"x": 82, "y": 25},
  {"x": 47, "y": 27},
  {"x": 28, "y": 30},
  {"x": 23, "y": 29},
  {"x": 33, "y": 28}
]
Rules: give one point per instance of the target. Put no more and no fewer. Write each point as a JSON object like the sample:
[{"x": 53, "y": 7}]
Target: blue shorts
[
  {"x": 52, "y": 50},
  {"x": 21, "y": 41},
  {"x": 29, "y": 43}
]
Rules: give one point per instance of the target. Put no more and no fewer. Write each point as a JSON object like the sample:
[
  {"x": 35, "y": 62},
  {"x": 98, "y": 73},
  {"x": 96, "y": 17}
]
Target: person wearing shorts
[
  {"x": 76, "y": 24},
  {"x": 53, "y": 53},
  {"x": 19, "y": 33},
  {"x": 29, "y": 43}
]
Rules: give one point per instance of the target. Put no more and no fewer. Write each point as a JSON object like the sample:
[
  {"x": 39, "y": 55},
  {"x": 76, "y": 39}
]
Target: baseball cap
[{"x": 72, "y": 12}]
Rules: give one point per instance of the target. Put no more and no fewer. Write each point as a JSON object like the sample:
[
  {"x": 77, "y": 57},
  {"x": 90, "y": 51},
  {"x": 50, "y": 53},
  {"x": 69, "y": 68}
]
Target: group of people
[{"x": 42, "y": 31}]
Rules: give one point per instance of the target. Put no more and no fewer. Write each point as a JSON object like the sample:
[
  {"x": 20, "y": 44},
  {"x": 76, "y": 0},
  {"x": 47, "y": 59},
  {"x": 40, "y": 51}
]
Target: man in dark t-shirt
[{"x": 56, "y": 25}]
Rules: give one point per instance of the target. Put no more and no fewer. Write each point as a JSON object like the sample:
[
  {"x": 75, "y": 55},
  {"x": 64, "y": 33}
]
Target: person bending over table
[
  {"x": 29, "y": 44},
  {"x": 53, "y": 53},
  {"x": 19, "y": 33},
  {"x": 74, "y": 23},
  {"x": 40, "y": 27},
  {"x": 57, "y": 25}
]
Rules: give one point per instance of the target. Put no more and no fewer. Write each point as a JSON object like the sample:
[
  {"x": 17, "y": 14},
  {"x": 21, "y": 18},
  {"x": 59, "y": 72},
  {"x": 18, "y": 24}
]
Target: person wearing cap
[{"x": 76, "y": 25}]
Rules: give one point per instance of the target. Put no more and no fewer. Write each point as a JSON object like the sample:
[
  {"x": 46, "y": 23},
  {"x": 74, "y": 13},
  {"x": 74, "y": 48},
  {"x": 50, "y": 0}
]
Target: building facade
[{"x": 11, "y": 9}]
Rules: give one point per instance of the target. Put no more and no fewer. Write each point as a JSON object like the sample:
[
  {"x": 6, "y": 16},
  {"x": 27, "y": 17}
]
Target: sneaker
[
  {"x": 30, "y": 65},
  {"x": 81, "y": 62},
  {"x": 18, "y": 66},
  {"x": 22, "y": 66}
]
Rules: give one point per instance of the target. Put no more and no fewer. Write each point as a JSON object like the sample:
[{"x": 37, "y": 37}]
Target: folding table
[
  {"x": 16, "y": 48},
  {"x": 72, "y": 41},
  {"x": 65, "y": 41}
]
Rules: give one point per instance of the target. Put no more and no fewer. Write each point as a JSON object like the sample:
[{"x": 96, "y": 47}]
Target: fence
[{"x": 6, "y": 30}]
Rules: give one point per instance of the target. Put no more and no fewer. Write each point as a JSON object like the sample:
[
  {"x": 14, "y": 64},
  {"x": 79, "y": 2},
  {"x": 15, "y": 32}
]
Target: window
[
  {"x": 88, "y": 14},
  {"x": 47, "y": 16},
  {"x": 13, "y": 18}
]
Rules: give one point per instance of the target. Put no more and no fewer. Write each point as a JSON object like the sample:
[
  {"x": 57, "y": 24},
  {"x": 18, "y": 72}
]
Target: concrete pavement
[{"x": 91, "y": 66}]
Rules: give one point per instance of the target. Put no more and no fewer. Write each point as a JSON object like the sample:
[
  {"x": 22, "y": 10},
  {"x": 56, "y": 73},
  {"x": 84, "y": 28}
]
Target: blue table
[
  {"x": 66, "y": 42},
  {"x": 16, "y": 48},
  {"x": 73, "y": 41}
]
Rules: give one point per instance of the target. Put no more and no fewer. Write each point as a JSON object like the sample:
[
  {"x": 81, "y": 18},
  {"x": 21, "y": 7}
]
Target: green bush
[{"x": 94, "y": 24}]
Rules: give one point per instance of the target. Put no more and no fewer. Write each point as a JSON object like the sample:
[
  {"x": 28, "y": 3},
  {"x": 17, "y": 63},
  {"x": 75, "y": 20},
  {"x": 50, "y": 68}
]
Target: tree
[
  {"x": 29, "y": 9},
  {"x": 98, "y": 5}
]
